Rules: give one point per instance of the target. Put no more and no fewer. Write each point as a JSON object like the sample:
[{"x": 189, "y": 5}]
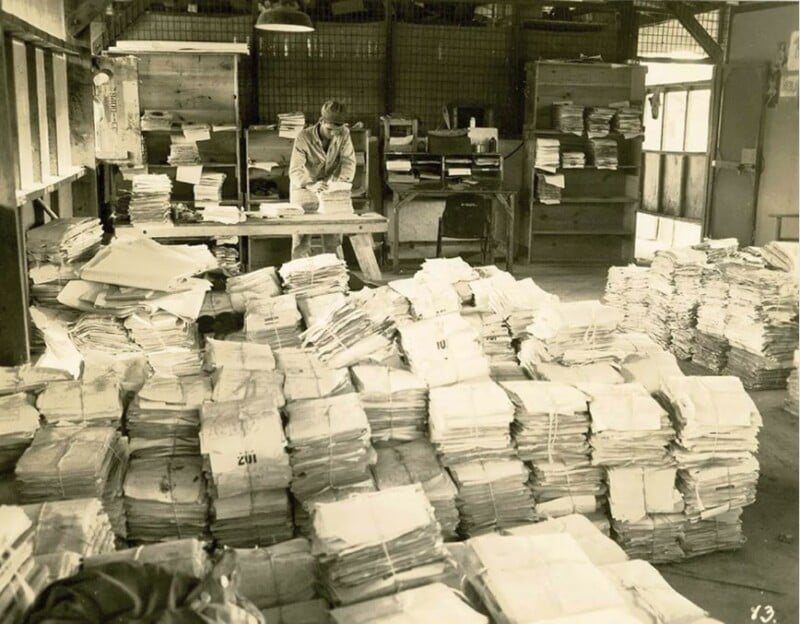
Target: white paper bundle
[
  {"x": 518, "y": 303},
  {"x": 650, "y": 369},
  {"x": 711, "y": 490},
  {"x": 783, "y": 255},
  {"x": 159, "y": 331},
  {"x": 304, "y": 510},
  {"x": 183, "y": 151},
  {"x": 101, "y": 332},
  {"x": 396, "y": 546},
  {"x": 48, "y": 280},
  {"x": 215, "y": 213},
  {"x": 96, "y": 402},
  {"x": 634, "y": 492},
  {"x": 568, "y": 117},
  {"x": 626, "y": 290},
  {"x": 304, "y": 612},
  {"x": 628, "y": 121},
  {"x": 430, "y": 295},
  {"x": 245, "y": 356},
  {"x": 282, "y": 574},
  {"x": 443, "y": 350},
  {"x": 561, "y": 488},
  {"x": 181, "y": 556},
  {"x": 306, "y": 377},
  {"x": 470, "y": 421},
  {"x": 259, "y": 284},
  {"x": 416, "y": 462},
  {"x": 710, "y": 351},
  {"x": 395, "y": 402},
  {"x": 316, "y": 275},
  {"x": 233, "y": 384},
  {"x": 547, "y": 154},
  {"x": 483, "y": 287},
  {"x": 329, "y": 443},
  {"x": 150, "y": 194},
  {"x": 450, "y": 270},
  {"x": 313, "y": 309},
  {"x": 64, "y": 240},
  {"x": 273, "y": 321},
  {"x": 598, "y": 120},
  {"x": 19, "y": 421},
  {"x": 722, "y": 531},
  {"x": 336, "y": 199},
  {"x": 209, "y": 189}
]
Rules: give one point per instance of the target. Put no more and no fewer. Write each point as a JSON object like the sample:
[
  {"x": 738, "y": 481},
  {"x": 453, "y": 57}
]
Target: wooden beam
[
  {"x": 687, "y": 19},
  {"x": 83, "y": 14}
]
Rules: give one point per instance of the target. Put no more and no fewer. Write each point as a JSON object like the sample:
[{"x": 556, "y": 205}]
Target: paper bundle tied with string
[
  {"x": 307, "y": 377},
  {"x": 282, "y": 574},
  {"x": 64, "y": 240},
  {"x": 19, "y": 421},
  {"x": 274, "y": 321},
  {"x": 97, "y": 402},
  {"x": 245, "y": 356},
  {"x": 233, "y": 384},
  {"x": 430, "y": 295},
  {"x": 655, "y": 538},
  {"x": 635, "y": 492},
  {"x": 315, "y": 275},
  {"x": 248, "y": 468},
  {"x": 518, "y": 302},
  {"x": 181, "y": 556},
  {"x": 305, "y": 509},
  {"x": 260, "y": 284},
  {"x": 396, "y": 545}
]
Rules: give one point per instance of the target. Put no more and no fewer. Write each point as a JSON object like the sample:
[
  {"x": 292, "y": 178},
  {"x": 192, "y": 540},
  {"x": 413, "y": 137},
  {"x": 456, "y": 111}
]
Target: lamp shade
[{"x": 284, "y": 19}]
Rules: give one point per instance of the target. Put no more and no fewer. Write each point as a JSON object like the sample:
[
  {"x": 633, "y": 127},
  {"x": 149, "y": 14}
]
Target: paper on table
[{"x": 190, "y": 174}]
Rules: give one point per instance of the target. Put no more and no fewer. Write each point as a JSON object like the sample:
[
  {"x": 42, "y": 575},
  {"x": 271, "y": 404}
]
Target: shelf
[
  {"x": 48, "y": 186},
  {"x": 589, "y": 168},
  {"x": 561, "y": 25},
  {"x": 203, "y": 164},
  {"x": 180, "y": 129},
  {"x": 592, "y": 200},
  {"x": 668, "y": 216},
  {"x": 582, "y": 232},
  {"x": 560, "y": 133}
]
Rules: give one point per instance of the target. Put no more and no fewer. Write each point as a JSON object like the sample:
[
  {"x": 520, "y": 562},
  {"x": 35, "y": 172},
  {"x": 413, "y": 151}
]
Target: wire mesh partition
[{"x": 668, "y": 38}]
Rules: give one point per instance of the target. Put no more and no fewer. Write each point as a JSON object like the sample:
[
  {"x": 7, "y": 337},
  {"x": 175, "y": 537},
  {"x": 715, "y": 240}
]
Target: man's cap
[{"x": 333, "y": 112}]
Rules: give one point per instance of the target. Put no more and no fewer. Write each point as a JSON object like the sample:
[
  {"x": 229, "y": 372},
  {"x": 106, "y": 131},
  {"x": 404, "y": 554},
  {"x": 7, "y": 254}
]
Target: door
[{"x": 736, "y": 165}]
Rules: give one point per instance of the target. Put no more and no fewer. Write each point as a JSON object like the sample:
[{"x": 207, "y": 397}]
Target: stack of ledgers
[
  {"x": 443, "y": 350},
  {"x": 63, "y": 241},
  {"x": 19, "y": 421},
  {"x": 711, "y": 347},
  {"x": 312, "y": 309},
  {"x": 495, "y": 343},
  {"x": 181, "y": 556},
  {"x": 628, "y": 121},
  {"x": 675, "y": 279},
  {"x": 396, "y": 545},
  {"x": 717, "y": 425},
  {"x": 597, "y": 120},
  {"x": 306, "y": 377},
  {"x": 603, "y": 153},
  {"x": 95, "y": 402},
  {"x": 183, "y": 150},
  {"x": 209, "y": 188},
  {"x": 163, "y": 420},
  {"x": 430, "y": 604},
  {"x": 336, "y": 200},
  {"x": 792, "y": 387},
  {"x": 549, "y": 188},
  {"x": 429, "y": 295},
  {"x": 518, "y": 303},
  {"x": 21, "y": 578},
  {"x": 783, "y": 255},
  {"x": 259, "y": 284},
  {"x": 329, "y": 444},
  {"x": 274, "y": 321},
  {"x": 304, "y": 510},
  {"x": 317, "y": 275},
  {"x": 626, "y": 290},
  {"x": 290, "y": 124},
  {"x": 416, "y": 462},
  {"x": 761, "y": 325},
  {"x": 150, "y": 193},
  {"x": 650, "y": 369},
  {"x": 568, "y": 117},
  {"x": 165, "y": 499},
  {"x": 217, "y": 316},
  {"x": 65, "y": 532},
  {"x": 245, "y": 459},
  {"x": 547, "y": 154},
  {"x": 571, "y": 159},
  {"x": 395, "y": 402},
  {"x": 169, "y": 342}
]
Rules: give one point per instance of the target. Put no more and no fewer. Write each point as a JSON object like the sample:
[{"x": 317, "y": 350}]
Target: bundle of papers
[
  {"x": 165, "y": 499},
  {"x": 395, "y": 402},
  {"x": 290, "y": 124},
  {"x": 496, "y": 344},
  {"x": 156, "y": 120},
  {"x": 713, "y": 489},
  {"x": 568, "y": 117},
  {"x": 783, "y": 255},
  {"x": 227, "y": 256},
  {"x": 482, "y": 289},
  {"x": 95, "y": 402},
  {"x": 603, "y": 153},
  {"x": 547, "y": 154},
  {"x": 792, "y": 401},
  {"x": 450, "y": 270},
  {"x": 235, "y": 384},
  {"x": 248, "y": 468},
  {"x": 313, "y": 309},
  {"x": 329, "y": 443},
  {"x": 170, "y": 343},
  {"x": 598, "y": 120},
  {"x": 21, "y": 577},
  {"x": 431, "y": 604},
  {"x": 656, "y": 538},
  {"x": 443, "y": 350},
  {"x": 650, "y": 369},
  {"x": 336, "y": 200},
  {"x": 548, "y": 188},
  {"x": 65, "y": 240},
  {"x": 573, "y": 160},
  {"x": 68, "y": 462},
  {"x": 303, "y": 511},
  {"x": 101, "y": 332},
  {"x": 720, "y": 532},
  {"x": 246, "y": 356},
  {"x": 430, "y": 296},
  {"x": 306, "y": 377},
  {"x": 756, "y": 371},
  {"x": 710, "y": 351},
  {"x": 561, "y": 488},
  {"x": 316, "y": 275},
  {"x": 518, "y": 303},
  {"x": 596, "y": 372},
  {"x": 304, "y": 612},
  {"x": 273, "y": 321},
  {"x": 415, "y": 462},
  {"x": 629, "y": 427},
  {"x": 19, "y": 421},
  {"x": 259, "y": 284},
  {"x": 397, "y": 544},
  {"x": 628, "y": 121},
  {"x": 492, "y": 495},
  {"x": 28, "y": 378},
  {"x": 47, "y": 281},
  {"x": 551, "y": 421},
  {"x": 718, "y": 249},
  {"x": 150, "y": 194},
  {"x": 634, "y": 492},
  {"x": 209, "y": 189},
  {"x": 183, "y": 151},
  {"x": 222, "y": 214},
  {"x": 626, "y": 290},
  {"x": 181, "y": 556},
  {"x": 282, "y": 574},
  {"x": 470, "y": 421}
]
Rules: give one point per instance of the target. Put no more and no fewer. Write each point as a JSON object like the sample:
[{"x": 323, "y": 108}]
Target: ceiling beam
[
  {"x": 82, "y": 15},
  {"x": 684, "y": 15}
]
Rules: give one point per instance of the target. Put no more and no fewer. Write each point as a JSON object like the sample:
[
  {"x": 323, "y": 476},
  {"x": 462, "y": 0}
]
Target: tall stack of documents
[
  {"x": 416, "y": 462},
  {"x": 316, "y": 275},
  {"x": 603, "y": 153},
  {"x": 597, "y": 120},
  {"x": 443, "y": 350},
  {"x": 273, "y": 321},
  {"x": 183, "y": 151},
  {"x": 547, "y": 154},
  {"x": 290, "y": 124},
  {"x": 259, "y": 284},
  {"x": 396, "y": 544},
  {"x": 181, "y": 556},
  {"x": 245, "y": 457},
  {"x": 495, "y": 343},
  {"x": 568, "y": 117},
  {"x": 626, "y": 290},
  {"x": 227, "y": 255},
  {"x": 307, "y": 377},
  {"x": 793, "y": 387},
  {"x": 430, "y": 295},
  {"x": 150, "y": 194},
  {"x": 761, "y": 325},
  {"x": 329, "y": 444},
  {"x": 711, "y": 347},
  {"x": 395, "y": 402},
  {"x": 19, "y": 421},
  {"x": 163, "y": 420},
  {"x": 69, "y": 462},
  {"x": 722, "y": 531},
  {"x": 21, "y": 578},
  {"x": 655, "y": 538},
  {"x": 62, "y": 241},
  {"x": 336, "y": 200},
  {"x": 628, "y": 121},
  {"x": 549, "y": 187},
  {"x": 95, "y": 402},
  {"x": 166, "y": 499},
  {"x": 209, "y": 188},
  {"x": 312, "y": 309},
  {"x": 518, "y": 303}
]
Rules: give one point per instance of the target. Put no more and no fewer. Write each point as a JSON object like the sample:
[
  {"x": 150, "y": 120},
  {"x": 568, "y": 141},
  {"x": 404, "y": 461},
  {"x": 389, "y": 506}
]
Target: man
[{"x": 321, "y": 154}]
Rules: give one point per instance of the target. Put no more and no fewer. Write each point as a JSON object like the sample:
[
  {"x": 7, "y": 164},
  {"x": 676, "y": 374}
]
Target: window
[{"x": 682, "y": 123}]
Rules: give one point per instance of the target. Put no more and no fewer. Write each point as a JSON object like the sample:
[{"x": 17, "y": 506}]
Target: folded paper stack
[
  {"x": 717, "y": 533},
  {"x": 626, "y": 290},
  {"x": 568, "y": 117},
  {"x": 312, "y": 309},
  {"x": 62, "y": 241},
  {"x": 96, "y": 402},
  {"x": 597, "y": 120},
  {"x": 547, "y": 154},
  {"x": 306, "y": 377},
  {"x": 711, "y": 347},
  {"x": 180, "y": 556},
  {"x": 21, "y": 578},
  {"x": 635, "y": 492},
  {"x": 316, "y": 275},
  {"x": 259, "y": 284},
  {"x": 273, "y": 321},
  {"x": 19, "y": 421},
  {"x": 282, "y": 574},
  {"x": 209, "y": 189},
  {"x": 518, "y": 303},
  {"x": 169, "y": 342},
  {"x": 150, "y": 194}
]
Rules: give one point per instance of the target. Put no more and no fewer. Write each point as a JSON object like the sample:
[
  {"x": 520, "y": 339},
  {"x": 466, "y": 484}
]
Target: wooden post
[{"x": 81, "y": 116}]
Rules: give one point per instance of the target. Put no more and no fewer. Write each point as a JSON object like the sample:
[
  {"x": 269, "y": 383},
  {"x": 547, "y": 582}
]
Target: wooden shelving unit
[{"x": 595, "y": 221}]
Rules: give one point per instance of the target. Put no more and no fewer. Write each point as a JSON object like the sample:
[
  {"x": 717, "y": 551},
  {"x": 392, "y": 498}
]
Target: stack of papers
[
  {"x": 573, "y": 160},
  {"x": 182, "y": 556},
  {"x": 635, "y": 492},
  {"x": 443, "y": 350},
  {"x": 568, "y": 117},
  {"x": 316, "y": 275},
  {"x": 290, "y": 124},
  {"x": 395, "y": 402},
  {"x": 19, "y": 421},
  {"x": 547, "y": 154},
  {"x": 95, "y": 402},
  {"x": 598, "y": 121},
  {"x": 470, "y": 421},
  {"x": 432, "y": 604},
  {"x": 710, "y": 490},
  {"x": 150, "y": 194},
  {"x": 163, "y": 420},
  {"x": 47, "y": 281},
  {"x": 306, "y": 377},
  {"x": 183, "y": 151},
  {"x": 548, "y": 188},
  {"x": 596, "y": 372},
  {"x": 22, "y": 578},
  {"x": 783, "y": 255},
  {"x": 223, "y": 214},
  {"x": 312, "y": 309},
  {"x": 28, "y": 378},
  {"x": 336, "y": 200},
  {"x": 246, "y": 356},
  {"x": 482, "y": 289},
  {"x": 101, "y": 332},
  {"x": 561, "y": 488},
  {"x": 495, "y": 343},
  {"x": 603, "y": 153},
  {"x": 415, "y": 462},
  {"x": 656, "y": 538},
  {"x": 792, "y": 388},
  {"x": 518, "y": 303},
  {"x": 430, "y": 296},
  {"x": 166, "y": 499},
  {"x": 273, "y": 321},
  {"x": 650, "y": 369},
  {"x": 396, "y": 545},
  {"x": 64, "y": 240},
  {"x": 259, "y": 284},
  {"x": 492, "y": 495},
  {"x": 626, "y": 290},
  {"x": 720, "y": 532},
  {"x": 282, "y": 574},
  {"x": 156, "y": 120},
  {"x": 248, "y": 472},
  {"x": 235, "y": 384},
  {"x": 170, "y": 343},
  {"x": 303, "y": 511},
  {"x": 450, "y": 270},
  {"x": 209, "y": 189},
  {"x": 69, "y": 462},
  {"x": 275, "y": 210},
  {"x": 329, "y": 444},
  {"x": 718, "y": 249},
  {"x": 628, "y": 122},
  {"x": 711, "y": 347}
]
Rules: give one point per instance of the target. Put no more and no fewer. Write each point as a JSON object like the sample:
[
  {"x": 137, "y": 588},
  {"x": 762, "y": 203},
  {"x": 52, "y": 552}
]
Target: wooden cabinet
[{"x": 595, "y": 219}]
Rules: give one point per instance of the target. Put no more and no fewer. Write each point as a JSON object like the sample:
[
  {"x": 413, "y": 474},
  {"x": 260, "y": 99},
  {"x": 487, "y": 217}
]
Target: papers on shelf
[
  {"x": 567, "y": 117},
  {"x": 549, "y": 187},
  {"x": 150, "y": 194},
  {"x": 547, "y": 154}
]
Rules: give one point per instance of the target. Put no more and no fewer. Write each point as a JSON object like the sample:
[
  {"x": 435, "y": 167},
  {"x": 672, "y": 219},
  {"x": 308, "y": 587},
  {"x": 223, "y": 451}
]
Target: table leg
[
  {"x": 365, "y": 254},
  {"x": 396, "y": 230},
  {"x": 507, "y": 200}
]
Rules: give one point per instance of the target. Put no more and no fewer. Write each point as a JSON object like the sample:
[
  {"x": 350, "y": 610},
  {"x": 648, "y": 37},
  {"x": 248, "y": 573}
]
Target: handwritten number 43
[{"x": 765, "y": 614}]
